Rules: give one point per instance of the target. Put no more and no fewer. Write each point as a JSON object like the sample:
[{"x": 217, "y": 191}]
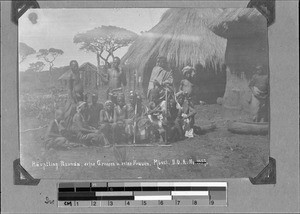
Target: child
[
  {"x": 155, "y": 115},
  {"x": 186, "y": 84},
  {"x": 188, "y": 113}
]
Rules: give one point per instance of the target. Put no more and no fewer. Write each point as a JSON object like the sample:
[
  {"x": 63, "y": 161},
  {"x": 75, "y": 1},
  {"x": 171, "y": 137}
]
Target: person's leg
[{"x": 178, "y": 126}]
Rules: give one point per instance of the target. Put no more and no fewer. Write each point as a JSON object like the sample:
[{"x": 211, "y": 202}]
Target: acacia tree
[
  {"x": 104, "y": 41},
  {"x": 24, "y": 51},
  {"x": 49, "y": 56},
  {"x": 36, "y": 66}
]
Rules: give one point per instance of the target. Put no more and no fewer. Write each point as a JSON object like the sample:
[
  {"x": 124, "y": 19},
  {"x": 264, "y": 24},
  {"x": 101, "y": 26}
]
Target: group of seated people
[
  {"x": 118, "y": 122},
  {"x": 165, "y": 116}
]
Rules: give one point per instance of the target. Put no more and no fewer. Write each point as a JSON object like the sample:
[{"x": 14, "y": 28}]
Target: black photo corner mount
[
  {"x": 267, "y": 175},
  {"x": 20, "y": 7},
  {"x": 266, "y": 8},
  {"x": 22, "y": 177}
]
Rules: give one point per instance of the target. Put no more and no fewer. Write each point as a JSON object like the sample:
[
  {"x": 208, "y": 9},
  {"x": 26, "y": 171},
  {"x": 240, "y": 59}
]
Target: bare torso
[
  {"x": 187, "y": 86},
  {"x": 115, "y": 78}
]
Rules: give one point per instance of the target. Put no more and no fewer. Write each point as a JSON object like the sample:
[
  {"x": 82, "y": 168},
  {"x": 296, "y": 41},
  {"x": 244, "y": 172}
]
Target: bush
[{"x": 41, "y": 107}]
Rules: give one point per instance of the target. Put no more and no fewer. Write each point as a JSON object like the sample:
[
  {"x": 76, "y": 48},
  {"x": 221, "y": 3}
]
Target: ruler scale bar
[
  {"x": 138, "y": 194},
  {"x": 190, "y": 193},
  {"x": 153, "y": 197},
  {"x": 114, "y": 193}
]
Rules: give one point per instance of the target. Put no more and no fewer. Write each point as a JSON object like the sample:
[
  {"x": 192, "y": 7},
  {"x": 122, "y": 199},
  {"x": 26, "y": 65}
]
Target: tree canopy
[
  {"x": 24, "y": 51},
  {"x": 104, "y": 40},
  {"x": 49, "y": 55},
  {"x": 36, "y": 66}
]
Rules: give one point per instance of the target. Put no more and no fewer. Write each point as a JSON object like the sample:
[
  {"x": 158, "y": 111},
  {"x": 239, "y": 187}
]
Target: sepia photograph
[{"x": 143, "y": 93}]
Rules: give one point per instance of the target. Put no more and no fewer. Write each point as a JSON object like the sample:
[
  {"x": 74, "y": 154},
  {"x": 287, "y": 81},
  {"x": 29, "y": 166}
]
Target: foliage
[
  {"x": 104, "y": 40},
  {"x": 49, "y": 55},
  {"x": 41, "y": 107},
  {"x": 24, "y": 51},
  {"x": 36, "y": 67}
]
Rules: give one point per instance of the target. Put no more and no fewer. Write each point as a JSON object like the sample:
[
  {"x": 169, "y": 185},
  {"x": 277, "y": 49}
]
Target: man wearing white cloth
[{"x": 160, "y": 76}]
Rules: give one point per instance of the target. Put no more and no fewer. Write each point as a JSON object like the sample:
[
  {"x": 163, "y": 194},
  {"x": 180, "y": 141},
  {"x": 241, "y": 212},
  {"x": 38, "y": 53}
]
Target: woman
[
  {"x": 106, "y": 120},
  {"x": 86, "y": 134}
]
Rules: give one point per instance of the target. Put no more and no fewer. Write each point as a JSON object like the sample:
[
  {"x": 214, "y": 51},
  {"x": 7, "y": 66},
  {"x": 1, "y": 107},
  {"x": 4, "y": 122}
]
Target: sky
[{"x": 56, "y": 28}]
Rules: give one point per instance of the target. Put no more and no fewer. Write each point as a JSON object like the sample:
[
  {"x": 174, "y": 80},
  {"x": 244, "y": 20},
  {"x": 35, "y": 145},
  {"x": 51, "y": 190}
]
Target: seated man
[
  {"x": 174, "y": 122},
  {"x": 85, "y": 133},
  {"x": 120, "y": 115},
  {"x": 93, "y": 113},
  {"x": 54, "y": 138}
]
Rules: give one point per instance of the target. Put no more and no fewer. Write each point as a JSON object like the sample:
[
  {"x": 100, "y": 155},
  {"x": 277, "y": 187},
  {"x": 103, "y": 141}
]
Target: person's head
[
  {"x": 121, "y": 99},
  {"x": 108, "y": 105},
  {"x": 94, "y": 98},
  {"x": 74, "y": 66},
  {"x": 188, "y": 72},
  {"x": 59, "y": 114},
  {"x": 132, "y": 97},
  {"x": 161, "y": 61},
  {"x": 81, "y": 107},
  {"x": 180, "y": 97},
  {"x": 116, "y": 62},
  {"x": 151, "y": 105}
]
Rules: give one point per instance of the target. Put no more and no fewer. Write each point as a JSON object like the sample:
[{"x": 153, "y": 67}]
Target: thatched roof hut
[
  {"x": 238, "y": 22},
  {"x": 247, "y": 47},
  {"x": 183, "y": 37}
]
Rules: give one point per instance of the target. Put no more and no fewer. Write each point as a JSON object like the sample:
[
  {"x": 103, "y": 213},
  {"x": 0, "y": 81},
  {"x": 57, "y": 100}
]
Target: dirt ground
[{"x": 220, "y": 154}]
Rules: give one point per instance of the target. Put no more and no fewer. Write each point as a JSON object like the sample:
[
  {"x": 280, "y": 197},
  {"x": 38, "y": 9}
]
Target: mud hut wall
[{"x": 242, "y": 55}]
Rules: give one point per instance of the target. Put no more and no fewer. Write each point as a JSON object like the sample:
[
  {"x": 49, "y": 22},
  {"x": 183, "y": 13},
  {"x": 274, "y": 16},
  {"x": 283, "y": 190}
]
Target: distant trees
[
  {"x": 24, "y": 51},
  {"x": 49, "y": 56},
  {"x": 36, "y": 66},
  {"x": 104, "y": 41}
]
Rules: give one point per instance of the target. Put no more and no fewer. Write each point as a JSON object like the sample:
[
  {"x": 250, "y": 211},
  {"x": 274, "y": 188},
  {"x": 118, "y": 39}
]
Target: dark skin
[
  {"x": 103, "y": 116},
  {"x": 81, "y": 124},
  {"x": 75, "y": 84},
  {"x": 186, "y": 84},
  {"x": 116, "y": 78},
  {"x": 122, "y": 114}
]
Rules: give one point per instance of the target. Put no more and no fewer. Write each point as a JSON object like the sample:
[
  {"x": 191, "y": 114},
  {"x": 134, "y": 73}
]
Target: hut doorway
[{"x": 209, "y": 85}]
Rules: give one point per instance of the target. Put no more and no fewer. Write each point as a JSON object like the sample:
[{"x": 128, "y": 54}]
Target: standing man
[
  {"x": 75, "y": 93},
  {"x": 259, "y": 86},
  {"x": 160, "y": 76},
  {"x": 116, "y": 79}
]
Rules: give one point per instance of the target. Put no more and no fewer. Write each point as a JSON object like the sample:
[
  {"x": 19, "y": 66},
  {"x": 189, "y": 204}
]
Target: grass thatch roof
[
  {"x": 239, "y": 22},
  {"x": 181, "y": 36}
]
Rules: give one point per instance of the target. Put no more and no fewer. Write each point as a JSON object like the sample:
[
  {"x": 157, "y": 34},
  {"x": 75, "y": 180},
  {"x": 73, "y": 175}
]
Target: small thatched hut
[
  {"x": 183, "y": 37},
  {"x": 88, "y": 75},
  {"x": 247, "y": 47}
]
